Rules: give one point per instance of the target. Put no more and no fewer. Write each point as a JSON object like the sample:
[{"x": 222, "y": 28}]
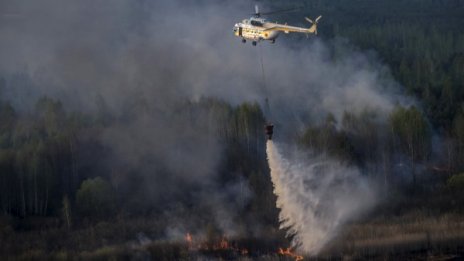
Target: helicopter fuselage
[
  {"x": 257, "y": 29},
  {"x": 254, "y": 29}
]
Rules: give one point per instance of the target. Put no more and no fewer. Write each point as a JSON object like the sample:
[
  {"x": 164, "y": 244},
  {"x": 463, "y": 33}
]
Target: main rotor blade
[
  {"x": 282, "y": 11},
  {"x": 309, "y": 20},
  {"x": 317, "y": 19},
  {"x": 256, "y": 9}
]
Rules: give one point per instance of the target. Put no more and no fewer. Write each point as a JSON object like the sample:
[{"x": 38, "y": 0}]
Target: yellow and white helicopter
[{"x": 258, "y": 29}]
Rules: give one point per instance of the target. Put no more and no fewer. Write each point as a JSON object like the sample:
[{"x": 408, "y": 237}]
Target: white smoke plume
[{"x": 315, "y": 197}]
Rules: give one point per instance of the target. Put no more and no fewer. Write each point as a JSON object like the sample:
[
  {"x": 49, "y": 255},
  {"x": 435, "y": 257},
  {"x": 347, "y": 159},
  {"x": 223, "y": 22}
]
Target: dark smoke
[{"x": 140, "y": 61}]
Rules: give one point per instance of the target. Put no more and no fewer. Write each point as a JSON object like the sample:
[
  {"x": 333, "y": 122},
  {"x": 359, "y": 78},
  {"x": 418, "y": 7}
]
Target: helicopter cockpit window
[{"x": 256, "y": 23}]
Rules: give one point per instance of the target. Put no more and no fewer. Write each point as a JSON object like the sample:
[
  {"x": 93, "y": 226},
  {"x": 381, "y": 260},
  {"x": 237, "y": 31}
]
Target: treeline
[
  {"x": 38, "y": 157},
  {"x": 387, "y": 150},
  {"x": 57, "y": 164},
  {"x": 55, "y": 168},
  {"x": 427, "y": 61},
  {"x": 422, "y": 42},
  {"x": 54, "y": 163}
]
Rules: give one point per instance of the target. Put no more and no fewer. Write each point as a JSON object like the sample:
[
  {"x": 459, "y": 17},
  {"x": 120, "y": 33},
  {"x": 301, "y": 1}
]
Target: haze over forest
[{"x": 127, "y": 125}]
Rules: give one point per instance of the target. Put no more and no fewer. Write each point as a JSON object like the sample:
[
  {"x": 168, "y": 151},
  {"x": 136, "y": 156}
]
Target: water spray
[{"x": 315, "y": 197}]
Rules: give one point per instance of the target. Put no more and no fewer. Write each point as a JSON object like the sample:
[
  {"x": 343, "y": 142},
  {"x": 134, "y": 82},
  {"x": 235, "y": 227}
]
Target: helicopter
[{"x": 257, "y": 29}]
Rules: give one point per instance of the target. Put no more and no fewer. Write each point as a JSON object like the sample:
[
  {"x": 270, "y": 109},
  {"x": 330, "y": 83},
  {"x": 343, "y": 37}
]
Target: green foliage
[
  {"x": 411, "y": 134},
  {"x": 51, "y": 114},
  {"x": 458, "y": 128},
  {"x": 327, "y": 139},
  {"x": 366, "y": 133},
  {"x": 245, "y": 143},
  {"x": 66, "y": 212},
  {"x": 248, "y": 120},
  {"x": 37, "y": 158},
  {"x": 456, "y": 182},
  {"x": 44, "y": 155},
  {"x": 168, "y": 251},
  {"x": 422, "y": 42},
  {"x": 411, "y": 131},
  {"x": 458, "y": 134},
  {"x": 95, "y": 197}
]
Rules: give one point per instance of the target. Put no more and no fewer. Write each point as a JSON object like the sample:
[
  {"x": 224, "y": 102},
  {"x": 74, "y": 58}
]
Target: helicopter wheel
[
  {"x": 254, "y": 43},
  {"x": 273, "y": 41},
  {"x": 243, "y": 41}
]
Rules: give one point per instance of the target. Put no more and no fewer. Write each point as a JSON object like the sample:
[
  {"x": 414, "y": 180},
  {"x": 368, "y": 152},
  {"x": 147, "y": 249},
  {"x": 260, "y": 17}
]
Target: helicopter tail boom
[
  {"x": 313, "y": 28},
  {"x": 293, "y": 29}
]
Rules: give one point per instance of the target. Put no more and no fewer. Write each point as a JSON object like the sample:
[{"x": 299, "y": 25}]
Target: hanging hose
[
  {"x": 262, "y": 70},
  {"x": 266, "y": 99},
  {"x": 269, "y": 127}
]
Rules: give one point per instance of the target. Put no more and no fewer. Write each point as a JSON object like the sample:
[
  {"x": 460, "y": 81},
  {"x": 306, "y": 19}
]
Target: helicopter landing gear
[
  {"x": 243, "y": 41},
  {"x": 254, "y": 43}
]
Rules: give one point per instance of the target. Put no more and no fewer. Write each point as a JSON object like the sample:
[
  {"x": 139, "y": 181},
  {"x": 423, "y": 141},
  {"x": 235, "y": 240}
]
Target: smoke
[
  {"x": 166, "y": 50},
  {"x": 142, "y": 60},
  {"x": 316, "y": 196}
]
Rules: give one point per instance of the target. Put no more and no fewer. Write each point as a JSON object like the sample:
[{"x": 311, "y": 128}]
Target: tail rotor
[{"x": 313, "y": 28}]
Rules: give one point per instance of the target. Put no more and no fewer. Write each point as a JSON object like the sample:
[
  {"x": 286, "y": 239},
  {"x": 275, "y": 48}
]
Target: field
[{"x": 413, "y": 236}]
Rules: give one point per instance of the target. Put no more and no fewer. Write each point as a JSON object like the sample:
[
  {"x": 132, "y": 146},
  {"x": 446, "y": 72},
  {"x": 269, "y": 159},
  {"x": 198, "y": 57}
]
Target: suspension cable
[{"x": 267, "y": 110}]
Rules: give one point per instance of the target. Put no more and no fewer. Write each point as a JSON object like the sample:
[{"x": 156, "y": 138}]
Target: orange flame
[
  {"x": 221, "y": 245},
  {"x": 224, "y": 244},
  {"x": 188, "y": 239},
  {"x": 288, "y": 252}
]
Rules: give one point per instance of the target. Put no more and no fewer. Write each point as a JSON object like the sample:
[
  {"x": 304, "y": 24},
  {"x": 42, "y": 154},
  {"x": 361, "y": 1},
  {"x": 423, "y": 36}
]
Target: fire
[
  {"x": 224, "y": 244},
  {"x": 288, "y": 252},
  {"x": 188, "y": 238}
]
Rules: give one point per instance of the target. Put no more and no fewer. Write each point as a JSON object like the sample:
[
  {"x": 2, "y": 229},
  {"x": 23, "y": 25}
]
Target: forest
[{"x": 110, "y": 183}]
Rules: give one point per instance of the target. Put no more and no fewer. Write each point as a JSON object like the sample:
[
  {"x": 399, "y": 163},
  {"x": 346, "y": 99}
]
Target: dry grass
[
  {"x": 410, "y": 236},
  {"x": 413, "y": 233}
]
